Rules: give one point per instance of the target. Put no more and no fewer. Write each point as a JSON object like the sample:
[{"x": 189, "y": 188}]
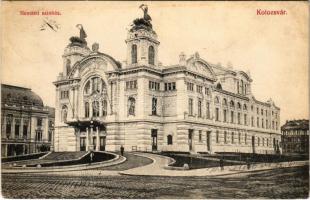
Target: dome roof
[{"x": 14, "y": 95}]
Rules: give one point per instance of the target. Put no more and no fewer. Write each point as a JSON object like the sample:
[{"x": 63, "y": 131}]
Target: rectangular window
[
  {"x": 39, "y": 121},
  {"x": 200, "y": 136},
  {"x": 217, "y": 136},
  {"x": 232, "y": 137},
  {"x": 207, "y": 91},
  {"x": 239, "y": 118},
  {"x": 257, "y": 122},
  {"x": 252, "y": 121},
  {"x": 16, "y": 130},
  {"x": 217, "y": 114},
  {"x": 245, "y": 119},
  {"x": 232, "y": 117},
  {"x": 267, "y": 124},
  {"x": 225, "y": 115},
  {"x": 64, "y": 94},
  {"x": 190, "y": 107},
  {"x": 25, "y": 131},
  {"x": 190, "y": 86},
  {"x": 239, "y": 138},
  {"x": 199, "y": 89},
  {"x": 225, "y": 137},
  {"x": 153, "y": 85},
  {"x": 262, "y": 123},
  {"x": 245, "y": 138},
  {"x": 154, "y": 106},
  {"x": 208, "y": 110},
  {"x": 130, "y": 85},
  {"x": 170, "y": 86},
  {"x": 199, "y": 108}
]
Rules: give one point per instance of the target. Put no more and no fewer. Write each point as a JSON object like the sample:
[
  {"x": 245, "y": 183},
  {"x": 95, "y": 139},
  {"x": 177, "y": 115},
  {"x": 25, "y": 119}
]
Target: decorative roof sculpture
[
  {"x": 80, "y": 41},
  {"x": 143, "y": 23}
]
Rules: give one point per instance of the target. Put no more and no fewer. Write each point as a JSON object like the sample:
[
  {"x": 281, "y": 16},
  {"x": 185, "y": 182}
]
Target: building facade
[
  {"x": 295, "y": 137},
  {"x": 192, "y": 106},
  {"x": 26, "y": 125}
]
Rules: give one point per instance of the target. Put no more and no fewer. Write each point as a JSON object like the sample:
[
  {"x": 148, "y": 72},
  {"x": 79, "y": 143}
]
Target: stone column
[
  {"x": 97, "y": 139},
  {"x": 91, "y": 145},
  {"x": 87, "y": 139}
]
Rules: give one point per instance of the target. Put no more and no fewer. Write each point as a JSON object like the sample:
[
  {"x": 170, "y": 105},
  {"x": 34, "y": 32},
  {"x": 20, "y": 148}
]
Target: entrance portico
[{"x": 91, "y": 134}]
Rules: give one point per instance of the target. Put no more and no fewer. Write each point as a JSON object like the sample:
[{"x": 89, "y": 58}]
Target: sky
[{"x": 275, "y": 49}]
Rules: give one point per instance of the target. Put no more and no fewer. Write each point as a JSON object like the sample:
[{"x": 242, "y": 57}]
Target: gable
[{"x": 201, "y": 67}]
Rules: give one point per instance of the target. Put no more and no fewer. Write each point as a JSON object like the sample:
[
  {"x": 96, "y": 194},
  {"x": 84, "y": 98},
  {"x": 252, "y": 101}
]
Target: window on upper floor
[
  {"x": 130, "y": 85},
  {"x": 231, "y": 116},
  {"x": 207, "y": 91},
  {"x": 199, "y": 89},
  {"x": 86, "y": 108},
  {"x": 39, "y": 121},
  {"x": 95, "y": 108},
  {"x": 151, "y": 55},
  {"x": 239, "y": 138},
  {"x": 217, "y": 114},
  {"x": 262, "y": 112},
  {"x": 104, "y": 107},
  {"x": 224, "y": 102},
  {"x": 239, "y": 105},
  {"x": 190, "y": 86},
  {"x": 199, "y": 108},
  {"x": 245, "y": 107},
  {"x": 232, "y": 104},
  {"x": 154, "y": 106},
  {"x": 217, "y": 136},
  {"x": 225, "y": 137},
  {"x": 225, "y": 115},
  {"x": 257, "y": 122},
  {"x": 245, "y": 119},
  {"x": 245, "y": 138},
  {"x": 134, "y": 54},
  {"x": 190, "y": 107},
  {"x": 239, "y": 118},
  {"x": 232, "y": 137},
  {"x": 217, "y": 100},
  {"x": 219, "y": 86},
  {"x": 170, "y": 86},
  {"x": 64, "y": 94},
  {"x": 208, "y": 113},
  {"x": 154, "y": 85},
  {"x": 200, "y": 136},
  {"x": 252, "y": 121}
]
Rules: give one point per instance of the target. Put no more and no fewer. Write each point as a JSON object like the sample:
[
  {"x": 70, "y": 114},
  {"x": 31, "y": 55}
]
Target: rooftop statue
[
  {"x": 144, "y": 22},
  {"x": 79, "y": 40}
]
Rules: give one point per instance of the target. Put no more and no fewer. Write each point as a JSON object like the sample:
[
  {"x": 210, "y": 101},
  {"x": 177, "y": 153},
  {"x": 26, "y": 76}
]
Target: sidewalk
[{"x": 157, "y": 168}]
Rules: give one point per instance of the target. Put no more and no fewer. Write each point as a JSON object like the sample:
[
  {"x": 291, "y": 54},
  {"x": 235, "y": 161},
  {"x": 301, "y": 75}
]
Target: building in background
[
  {"x": 26, "y": 125},
  {"x": 295, "y": 137},
  {"x": 192, "y": 106}
]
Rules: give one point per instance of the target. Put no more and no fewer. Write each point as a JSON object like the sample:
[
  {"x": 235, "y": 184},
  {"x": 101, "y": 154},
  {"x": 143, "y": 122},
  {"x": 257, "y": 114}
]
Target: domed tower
[
  {"x": 75, "y": 51},
  {"x": 142, "y": 43}
]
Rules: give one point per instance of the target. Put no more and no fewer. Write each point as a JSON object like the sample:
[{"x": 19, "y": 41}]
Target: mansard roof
[
  {"x": 302, "y": 124},
  {"x": 19, "y": 96}
]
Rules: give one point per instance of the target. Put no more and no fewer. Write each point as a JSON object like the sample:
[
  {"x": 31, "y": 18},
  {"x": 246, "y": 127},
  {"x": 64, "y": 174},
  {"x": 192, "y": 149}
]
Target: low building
[
  {"x": 192, "y": 106},
  {"x": 26, "y": 125},
  {"x": 295, "y": 137}
]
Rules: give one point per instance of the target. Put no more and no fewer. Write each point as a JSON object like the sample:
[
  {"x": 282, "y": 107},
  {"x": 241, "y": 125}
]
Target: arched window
[
  {"x": 86, "y": 109},
  {"x": 239, "y": 105},
  {"x": 64, "y": 113},
  {"x": 169, "y": 139},
  {"x": 151, "y": 55},
  {"x": 95, "y": 108},
  {"x": 219, "y": 86},
  {"x": 242, "y": 90},
  {"x": 217, "y": 99},
  {"x": 238, "y": 89},
  {"x": 68, "y": 66},
  {"x": 232, "y": 104},
  {"x": 134, "y": 54},
  {"x": 225, "y": 102},
  {"x": 245, "y": 107},
  {"x": 154, "y": 106},
  {"x": 87, "y": 88},
  {"x": 104, "y": 107},
  {"x": 131, "y": 106}
]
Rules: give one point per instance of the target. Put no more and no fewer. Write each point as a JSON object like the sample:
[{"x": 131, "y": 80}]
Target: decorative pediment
[
  {"x": 93, "y": 63},
  {"x": 201, "y": 67}
]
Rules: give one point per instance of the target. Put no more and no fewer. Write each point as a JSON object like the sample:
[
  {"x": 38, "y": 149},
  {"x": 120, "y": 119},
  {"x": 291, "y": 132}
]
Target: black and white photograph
[{"x": 154, "y": 100}]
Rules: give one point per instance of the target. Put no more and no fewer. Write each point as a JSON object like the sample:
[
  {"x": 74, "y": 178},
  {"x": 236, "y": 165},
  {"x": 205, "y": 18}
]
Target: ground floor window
[{"x": 169, "y": 139}]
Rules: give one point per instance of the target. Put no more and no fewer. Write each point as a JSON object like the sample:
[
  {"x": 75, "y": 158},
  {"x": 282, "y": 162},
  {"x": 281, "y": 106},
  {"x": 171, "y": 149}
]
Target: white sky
[{"x": 273, "y": 48}]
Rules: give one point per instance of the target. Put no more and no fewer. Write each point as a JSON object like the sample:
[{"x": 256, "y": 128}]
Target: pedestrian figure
[
  {"x": 122, "y": 150},
  {"x": 222, "y": 164},
  {"x": 91, "y": 156},
  {"x": 248, "y": 164}
]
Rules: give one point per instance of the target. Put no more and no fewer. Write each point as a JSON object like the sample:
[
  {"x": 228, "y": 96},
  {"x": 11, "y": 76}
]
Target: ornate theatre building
[{"x": 192, "y": 106}]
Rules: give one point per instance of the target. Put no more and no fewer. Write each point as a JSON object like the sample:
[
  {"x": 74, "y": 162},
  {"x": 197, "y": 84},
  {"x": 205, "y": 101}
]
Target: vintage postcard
[{"x": 154, "y": 100}]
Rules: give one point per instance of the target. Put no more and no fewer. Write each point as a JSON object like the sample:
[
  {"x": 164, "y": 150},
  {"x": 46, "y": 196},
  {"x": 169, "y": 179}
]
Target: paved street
[{"x": 278, "y": 183}]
